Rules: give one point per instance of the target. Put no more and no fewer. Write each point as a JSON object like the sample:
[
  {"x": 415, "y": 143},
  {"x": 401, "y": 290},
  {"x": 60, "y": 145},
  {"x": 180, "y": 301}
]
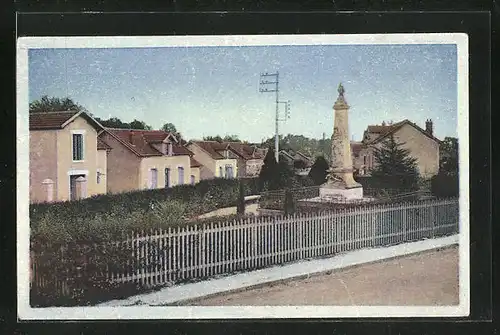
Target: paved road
[{"x": 429, "y": 278}]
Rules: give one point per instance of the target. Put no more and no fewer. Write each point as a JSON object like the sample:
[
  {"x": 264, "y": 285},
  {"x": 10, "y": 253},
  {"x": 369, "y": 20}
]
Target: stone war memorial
[{"x": 340, "y": 185}]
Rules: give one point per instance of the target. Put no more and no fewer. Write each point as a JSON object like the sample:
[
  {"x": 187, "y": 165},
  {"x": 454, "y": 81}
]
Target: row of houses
[{"x": 73, "y": 156}]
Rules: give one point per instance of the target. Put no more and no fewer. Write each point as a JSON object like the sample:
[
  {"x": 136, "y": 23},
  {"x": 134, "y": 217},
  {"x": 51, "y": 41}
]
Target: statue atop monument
[
  {"x": 340, "y": 103},
  {"x": 341, "y": 90}
]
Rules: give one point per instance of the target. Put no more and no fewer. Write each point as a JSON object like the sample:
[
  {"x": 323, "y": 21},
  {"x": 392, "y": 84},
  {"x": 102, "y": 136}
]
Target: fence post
[
  {"x": 405, "y": 228},
  {"x": 372, "y": 216},
  {"x": 433, "y": 222},
  {"x": 254, "y": 242}
]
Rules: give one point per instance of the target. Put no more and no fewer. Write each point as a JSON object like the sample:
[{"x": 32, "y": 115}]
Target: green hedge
[
  {"x": 111, "y": 216},
  {"x": 395, "y": 183},
  {"x": 445, "y": 186}
]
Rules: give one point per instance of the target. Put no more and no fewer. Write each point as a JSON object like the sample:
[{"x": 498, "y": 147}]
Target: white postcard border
[{"x": 25, "y": 312}]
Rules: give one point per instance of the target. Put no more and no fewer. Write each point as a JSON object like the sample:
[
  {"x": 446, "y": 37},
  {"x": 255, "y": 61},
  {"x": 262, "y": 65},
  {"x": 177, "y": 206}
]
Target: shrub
[
  {"x": 387, "y": 184},
  {"x": 319, "y": 171}
]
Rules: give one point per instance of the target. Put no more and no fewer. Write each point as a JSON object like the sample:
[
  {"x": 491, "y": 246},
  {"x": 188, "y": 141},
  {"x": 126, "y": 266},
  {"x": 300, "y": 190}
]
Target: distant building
[
  {"x": 300, "y": 162},
  {"x": 228, "y": 159},
  {"x": 147, "y": 159},
  {"x": 250, "y": 158},
  {"x": 218, "y": 160},
  {"x": 421, "y": 143},
  {"x": 67, "y": 160}
]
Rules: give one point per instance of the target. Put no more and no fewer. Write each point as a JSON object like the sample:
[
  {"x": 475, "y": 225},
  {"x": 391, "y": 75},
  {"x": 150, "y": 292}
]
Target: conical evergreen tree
[
  {"x": 395, "y": 165},
  {"x": 286, "y": 176},
  {"x": 268, "y": 171},
  {"x": 319, "y": 170},
  {"x": 273, "y": 175}
]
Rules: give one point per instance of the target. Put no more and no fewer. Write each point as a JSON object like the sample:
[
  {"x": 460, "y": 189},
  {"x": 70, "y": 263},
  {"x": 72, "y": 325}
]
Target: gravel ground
[{"x": 429, "y": 278}]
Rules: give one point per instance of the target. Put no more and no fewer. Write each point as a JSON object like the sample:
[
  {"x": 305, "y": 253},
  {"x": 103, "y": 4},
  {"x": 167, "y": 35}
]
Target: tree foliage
[
  {"x": 169, "y": 127},
  {"x": 136, "y": 124},
  {"x": 309, "y": 146},
  {"x": 448, "y": 154},
  {"x": 51, "y": 104},
  {"x": 218, "y": 138},
  {"x": 394, "y": 162},
  {"x": 231, "y": 138},
  {"x": 319, "y": 170},
  {"x": 115, "y": 122},
  {"x": 212, "y": 138}
]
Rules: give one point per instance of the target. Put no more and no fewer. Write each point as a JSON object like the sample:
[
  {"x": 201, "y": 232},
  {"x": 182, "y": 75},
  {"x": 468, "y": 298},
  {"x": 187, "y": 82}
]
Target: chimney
[{"x": 428, "y": 127}]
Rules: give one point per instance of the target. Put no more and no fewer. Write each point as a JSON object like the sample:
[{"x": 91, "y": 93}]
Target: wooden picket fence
[{"x": 202, "y": 251}]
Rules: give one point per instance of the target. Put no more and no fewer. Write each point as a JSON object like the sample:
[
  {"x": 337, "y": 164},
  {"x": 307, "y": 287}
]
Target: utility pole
[{"x": 267, "y": 86}]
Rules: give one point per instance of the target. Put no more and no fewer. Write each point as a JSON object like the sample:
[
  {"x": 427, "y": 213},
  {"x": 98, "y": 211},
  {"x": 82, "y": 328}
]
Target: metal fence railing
[{"x": 178, "y": 254}]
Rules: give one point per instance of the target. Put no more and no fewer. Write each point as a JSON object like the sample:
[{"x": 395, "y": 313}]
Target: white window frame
[
  {"x": 78, "y": 132},
  {"x": 150, "y": 177},
  {"x": 167, "y": 183},
  {"x": 99, "y": 175},
  {"x": 183, "y": 175},
  {"x": 227, "y": 168}
]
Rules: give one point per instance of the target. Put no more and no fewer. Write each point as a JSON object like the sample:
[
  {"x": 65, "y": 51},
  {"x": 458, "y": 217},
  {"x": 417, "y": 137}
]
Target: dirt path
[
  {"x": 230, "y": 211},
  {"x": 429, "y": 278}
]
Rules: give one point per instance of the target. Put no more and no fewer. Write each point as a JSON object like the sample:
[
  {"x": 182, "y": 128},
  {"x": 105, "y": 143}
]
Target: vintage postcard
[{"x": 220, "y": 177}]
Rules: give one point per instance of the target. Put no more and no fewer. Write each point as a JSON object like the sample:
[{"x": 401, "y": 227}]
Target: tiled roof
[
  {"x": 244, "y": 150},
  {"x": 385, "y": 131},
  {"x": 379, "y": 129},
  {"x": 58, "y": 120},
  {"x": 195, "y": 163},
  {"x": 49, "y": 120},
  {"x": 247, "y": 151},
  {"x": 304, "y": 156},
  {"x": 211, "y": 147},
  {"x": 181, "y": 150},
  {"x": 155, "y": 136},
  {"x": 292, "y": 156},
  {"x": 139, "y": 141},
  {"x": 286, "y": 154},
  {"x": 101, "y": 145}
]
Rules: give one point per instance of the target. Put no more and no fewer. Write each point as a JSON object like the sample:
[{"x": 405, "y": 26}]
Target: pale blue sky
[{"x": 215, "y": 90}]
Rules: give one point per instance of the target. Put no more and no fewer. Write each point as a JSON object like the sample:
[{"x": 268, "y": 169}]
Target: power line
[{"x": 269, "y": 83}]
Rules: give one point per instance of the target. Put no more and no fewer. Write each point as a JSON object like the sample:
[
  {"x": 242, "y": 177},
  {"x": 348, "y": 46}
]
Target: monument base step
[{"x": 345, "y": 193}]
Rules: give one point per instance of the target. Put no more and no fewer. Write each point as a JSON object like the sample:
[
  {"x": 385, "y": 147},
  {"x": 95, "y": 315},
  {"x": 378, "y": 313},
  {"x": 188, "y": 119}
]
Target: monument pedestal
[{"x": 333, "y": 191}]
